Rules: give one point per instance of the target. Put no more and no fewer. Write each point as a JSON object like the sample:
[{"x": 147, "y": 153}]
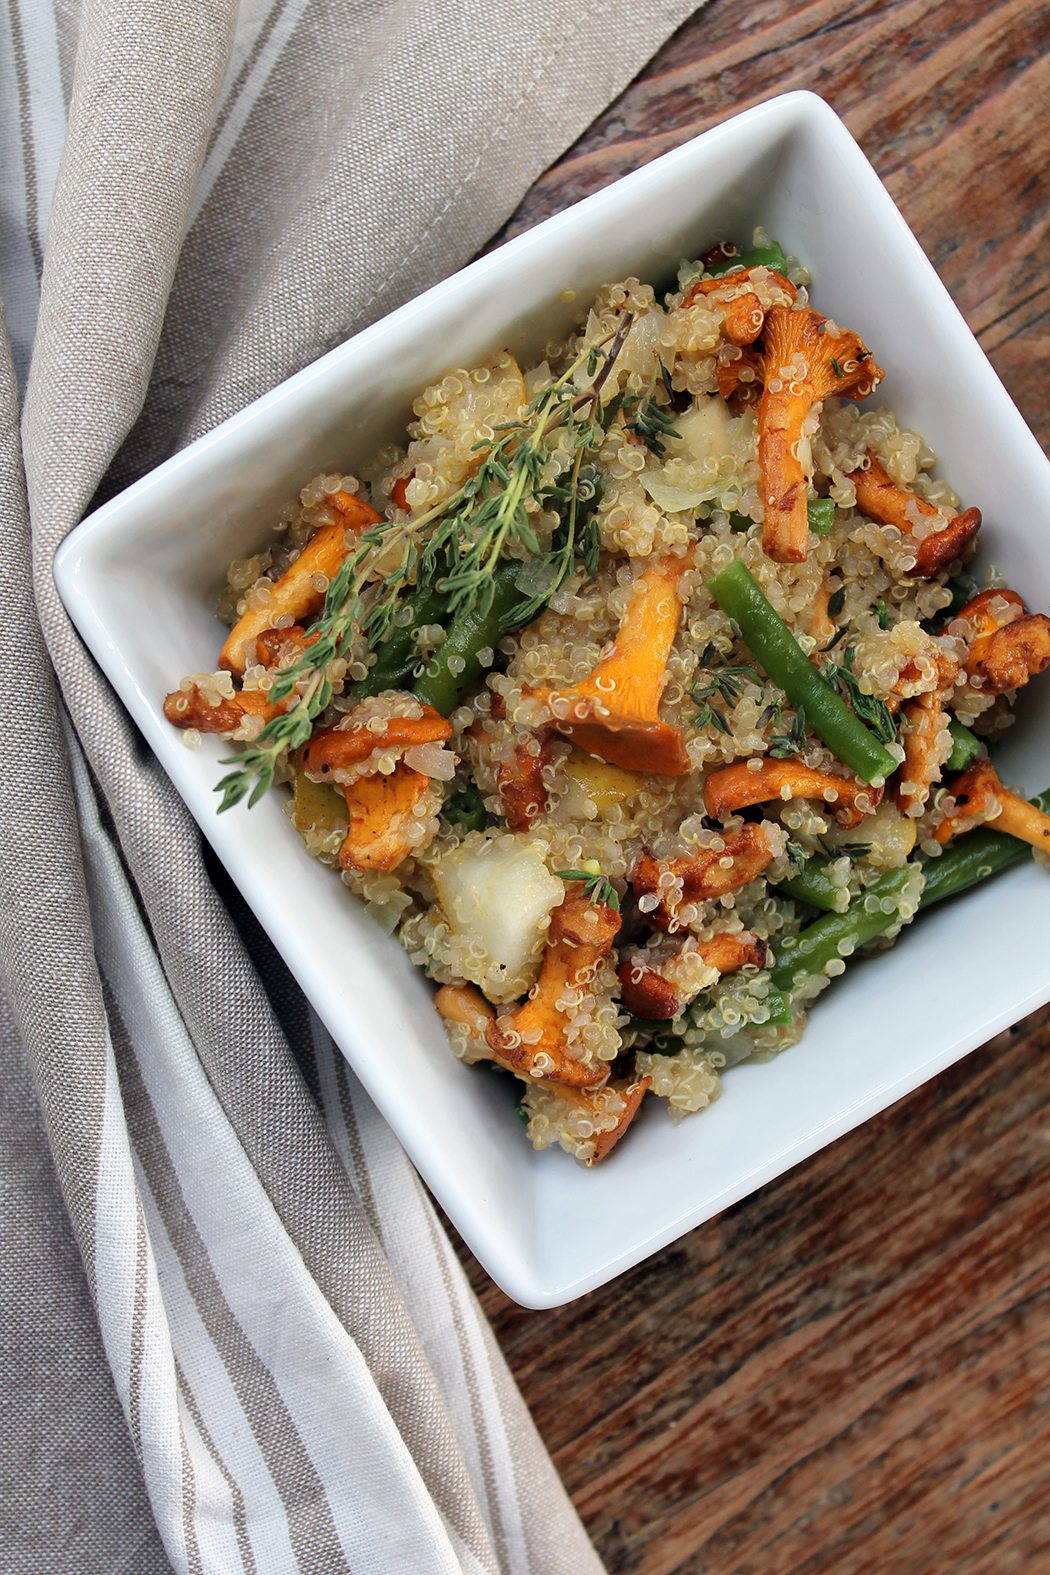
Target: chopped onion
[
  {"x": 432, "y": 760},
  {"x": 676, "y": 500}
]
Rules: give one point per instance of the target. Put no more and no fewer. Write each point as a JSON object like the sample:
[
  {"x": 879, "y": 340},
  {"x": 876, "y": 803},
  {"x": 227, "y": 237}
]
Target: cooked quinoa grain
[{"x": 495, "y": 675}]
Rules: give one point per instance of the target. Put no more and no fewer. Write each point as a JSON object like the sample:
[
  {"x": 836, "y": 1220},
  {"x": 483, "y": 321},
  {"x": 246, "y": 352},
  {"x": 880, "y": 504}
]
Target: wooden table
[{"x": 849, "y": 1371}]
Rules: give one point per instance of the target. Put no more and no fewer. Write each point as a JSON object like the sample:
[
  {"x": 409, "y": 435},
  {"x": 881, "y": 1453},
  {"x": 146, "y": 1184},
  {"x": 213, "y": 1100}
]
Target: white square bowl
[{"x": 140, "y": 576}]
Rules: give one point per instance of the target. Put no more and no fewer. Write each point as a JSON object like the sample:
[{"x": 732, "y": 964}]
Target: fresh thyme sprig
[
  {"x": 651, "y": 423},
  {"x": 876, "y": 713},
  {"x": 793, "y": 742},
  {"x": 798, "y": 856},
  {"x": 597, "y": 888},
  {"x": 454, "y": 547},
  {"x": 727, "y": 681}
]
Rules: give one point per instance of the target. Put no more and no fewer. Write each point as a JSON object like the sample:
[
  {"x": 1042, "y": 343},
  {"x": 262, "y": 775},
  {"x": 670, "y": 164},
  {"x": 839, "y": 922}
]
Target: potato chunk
[{"x": 499, "y": 894}]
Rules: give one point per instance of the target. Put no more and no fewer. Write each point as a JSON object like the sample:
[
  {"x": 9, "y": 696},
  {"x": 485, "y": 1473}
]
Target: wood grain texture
[
  {"x": 848, "y": 1372},
  {"x": 948, "y": 99}
]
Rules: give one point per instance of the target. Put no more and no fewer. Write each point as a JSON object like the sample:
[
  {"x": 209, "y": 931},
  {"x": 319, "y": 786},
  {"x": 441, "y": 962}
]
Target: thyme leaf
[
  {"x": 793, "y": 742},
  {"x": 651, "y": 423},
  {"x": 798, "y": 856},
  {"x": 852, "y": 850},
  {"x": 872, "y": 711},
  {"x": 597, "y": 889},
  {"x": 727, "y": 680}
]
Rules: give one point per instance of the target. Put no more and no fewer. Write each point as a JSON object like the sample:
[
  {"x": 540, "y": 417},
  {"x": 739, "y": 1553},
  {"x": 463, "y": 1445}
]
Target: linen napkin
[{"x": 196, "y": 201}]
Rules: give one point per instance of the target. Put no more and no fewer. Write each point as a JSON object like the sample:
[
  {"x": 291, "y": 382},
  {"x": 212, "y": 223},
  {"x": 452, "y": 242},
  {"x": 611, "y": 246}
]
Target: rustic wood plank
[
  {"x": 844, "y": 1354},
  {"x": 848, "y": 1372},
  {"x": 946, "y": 99}
]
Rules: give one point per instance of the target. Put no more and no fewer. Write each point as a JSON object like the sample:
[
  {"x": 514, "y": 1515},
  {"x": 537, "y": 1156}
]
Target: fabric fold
[{"x": 308, "y": 1382}]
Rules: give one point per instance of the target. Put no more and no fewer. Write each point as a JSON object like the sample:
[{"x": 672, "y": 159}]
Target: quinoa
[{"x": 476, "y": 894}]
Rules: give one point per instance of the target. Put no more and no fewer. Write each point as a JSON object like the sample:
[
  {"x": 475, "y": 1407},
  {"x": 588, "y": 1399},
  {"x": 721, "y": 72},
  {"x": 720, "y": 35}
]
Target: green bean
[
  {"x": 779, "y": 1004},
  {"x": 821, "y": 942},
  {"x": 814, "y": 886},
  {"x": 964, "y": 747},
  {"x": 770, "y": 256},
  {"x": 770, "y": 640},
  {"x": 442, "y": 685},
  {"x": 821, "y": 514},
  {"x": 973, "y": 858},
  {"x": 466, "y": 808},
  {"x": 399, "y": 653},
  {"x": 970, "y": 859}
]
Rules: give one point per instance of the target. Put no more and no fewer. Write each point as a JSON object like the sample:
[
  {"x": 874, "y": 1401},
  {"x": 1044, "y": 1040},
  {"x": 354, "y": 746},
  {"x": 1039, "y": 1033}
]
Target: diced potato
[
  {"x": 499, "y": 895},
  {"x": 603, "y": 784},
  {"x": 318, "y": 807}
]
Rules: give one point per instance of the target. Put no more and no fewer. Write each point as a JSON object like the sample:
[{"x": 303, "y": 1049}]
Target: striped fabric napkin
[{"x": 198, "y": 200}]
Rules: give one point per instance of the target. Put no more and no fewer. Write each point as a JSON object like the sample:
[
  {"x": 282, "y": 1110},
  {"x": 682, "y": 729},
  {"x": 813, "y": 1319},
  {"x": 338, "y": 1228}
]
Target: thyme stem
[{"x": 455, "y": 549}]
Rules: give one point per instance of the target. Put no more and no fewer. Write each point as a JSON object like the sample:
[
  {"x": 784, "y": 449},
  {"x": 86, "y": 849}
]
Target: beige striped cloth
[{"x": 197, "y": 200}]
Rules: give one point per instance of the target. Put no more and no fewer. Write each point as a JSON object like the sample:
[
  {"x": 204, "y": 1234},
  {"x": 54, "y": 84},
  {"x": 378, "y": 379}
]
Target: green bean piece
[
  {"x": 821, "y": 942},
  {"x": 470, "y": 631},
  {"x": 973, "y": 858},
  {"x": 770, "y": 256},
  {"x": 466, "y": 808},
  {"x": 769, "y": 639},
  {"x": 813, "y": 885},
  {"x": 821, "y": 512},
  {"x": 399, "y": 653},
  {"x": 965, "y": 746},
  {"x": 779, "y": 1009},
  {"x": 970, "y": 859}
]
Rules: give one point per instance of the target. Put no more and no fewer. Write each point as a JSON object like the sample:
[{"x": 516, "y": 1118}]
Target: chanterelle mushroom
[
  {"x": 210, "y": 712},
  {"x": 358, "y": 735},
  {"x": 212, "y": 705},
  {"x": 881, "y": 499},
  {"x": 737, "y": 786},
  {"x": 587, "y": 1121},
  {"x": 666, "y": 889},
  {"x": 978, "y": 797},
  {"x": 296, "y": 591},
  {"x": 926, "y": 739},
  {"x": 391, "y": 816},
  {"x": 613, "y": 713},
  {"x": 806, "y": 359},
  {"x": 660, "y": 989},
  {"x": 1009, "y": 645},
  {"x": 520, "y": 780},
  {"x": 533, "y": 1040},
  {"x": 374, "y": 754},
  {"x": 745, "y": 296}
]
